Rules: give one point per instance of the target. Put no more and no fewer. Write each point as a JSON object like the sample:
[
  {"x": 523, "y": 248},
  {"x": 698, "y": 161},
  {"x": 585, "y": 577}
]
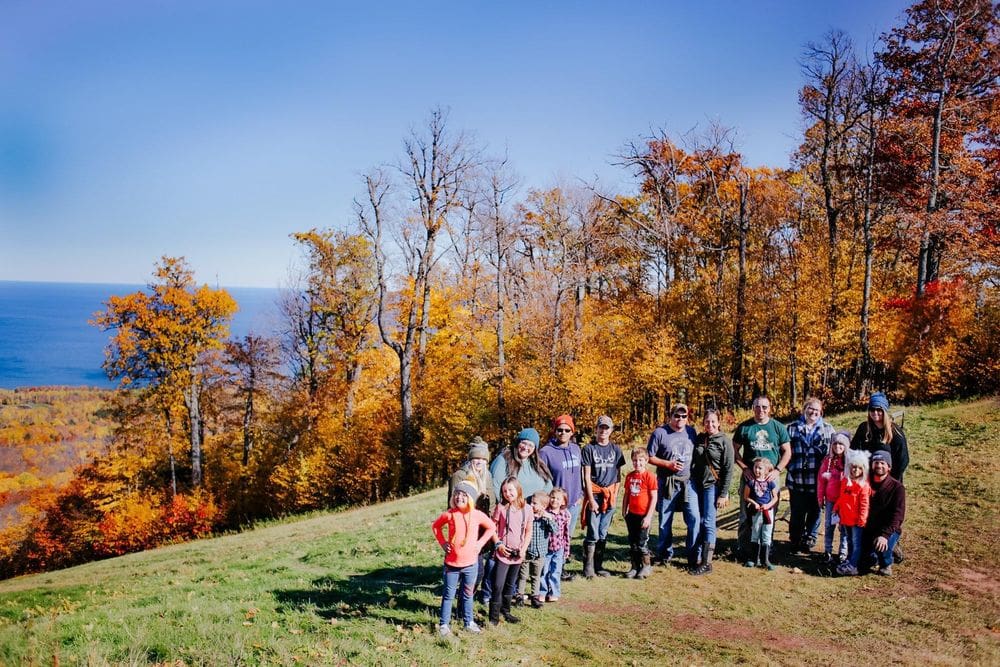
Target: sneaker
[
  {"x": 885, "y": 571},
  {"x": 444, "y": 630},
  {"x": 750, "y": 563},
  {"x": 552, "y": 598},
  {"x": 828, "y": 559},
  {"x": 473, "y": 628},
  {"x": 847, "y": 570}
]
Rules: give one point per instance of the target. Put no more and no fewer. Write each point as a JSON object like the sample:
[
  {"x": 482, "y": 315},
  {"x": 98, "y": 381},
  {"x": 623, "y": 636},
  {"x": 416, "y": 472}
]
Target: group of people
[{"x": 509, "y": 523}]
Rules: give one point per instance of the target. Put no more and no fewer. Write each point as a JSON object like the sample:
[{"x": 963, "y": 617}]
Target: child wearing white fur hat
[{"x": 852, "y": 508}]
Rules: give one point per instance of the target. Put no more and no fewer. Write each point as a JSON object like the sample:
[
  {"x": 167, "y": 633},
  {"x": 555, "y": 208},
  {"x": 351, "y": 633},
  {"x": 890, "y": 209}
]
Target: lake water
[{"x": 45, "y": 338}]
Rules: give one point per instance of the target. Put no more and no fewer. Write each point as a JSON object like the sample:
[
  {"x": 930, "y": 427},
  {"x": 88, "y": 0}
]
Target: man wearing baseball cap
[
  {"x": 602, "y": 464},
  {"x": 886, "y": 511},
  {"x": 671, "y": 448}
]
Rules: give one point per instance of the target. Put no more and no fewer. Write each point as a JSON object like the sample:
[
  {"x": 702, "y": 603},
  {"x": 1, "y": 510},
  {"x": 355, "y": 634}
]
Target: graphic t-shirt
[
  {"x": 761, "y": 440},
  {"x": 638, "y": 486},
  {"x": 605, "y": 461}
]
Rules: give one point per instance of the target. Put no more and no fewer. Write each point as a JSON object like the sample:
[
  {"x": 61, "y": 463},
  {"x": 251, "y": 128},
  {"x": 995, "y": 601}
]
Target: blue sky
[{"x": 213, "y": 130}]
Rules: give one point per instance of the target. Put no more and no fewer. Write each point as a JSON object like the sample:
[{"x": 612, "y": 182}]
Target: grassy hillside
[{"x": 361, "y": 587}]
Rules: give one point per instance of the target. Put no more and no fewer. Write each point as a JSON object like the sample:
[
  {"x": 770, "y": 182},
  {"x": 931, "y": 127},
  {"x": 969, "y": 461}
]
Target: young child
[
  {"x": 638, "y": 507},
  {"x": 852, "y": 508},
  {"x": 461, "y": 552},
  {"x": 761, "y": 496},
  {"x": 558, "y": 548},
  {"x": 831, "y": 471},
  {"x": 513, "y": 519},
  {"x": 543, "y": 525}
]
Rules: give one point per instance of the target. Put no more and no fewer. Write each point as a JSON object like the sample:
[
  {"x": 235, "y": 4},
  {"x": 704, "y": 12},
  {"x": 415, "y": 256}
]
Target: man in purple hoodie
[{"x": 563, "y": 457}]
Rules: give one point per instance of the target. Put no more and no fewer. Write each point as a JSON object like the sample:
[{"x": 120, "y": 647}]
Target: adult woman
[
  {"x": 521, "y": 460},
  {"x": 810, "y": 439},
  {"x": 476, "y": 470},
  {"x": 879, "y": 432},
  {"x": 711, "y": 474}
]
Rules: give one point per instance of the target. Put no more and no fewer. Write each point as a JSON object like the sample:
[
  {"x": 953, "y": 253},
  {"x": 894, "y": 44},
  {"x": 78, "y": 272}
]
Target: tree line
[{"x": 460, "y": 301}]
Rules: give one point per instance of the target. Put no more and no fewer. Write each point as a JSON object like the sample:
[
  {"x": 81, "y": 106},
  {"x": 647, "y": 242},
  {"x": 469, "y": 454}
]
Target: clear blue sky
[{"x": 213, "y": 130}]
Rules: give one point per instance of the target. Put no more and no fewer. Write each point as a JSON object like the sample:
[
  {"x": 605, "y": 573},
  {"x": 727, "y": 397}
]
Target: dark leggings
[{"x": 505, "y": 577}]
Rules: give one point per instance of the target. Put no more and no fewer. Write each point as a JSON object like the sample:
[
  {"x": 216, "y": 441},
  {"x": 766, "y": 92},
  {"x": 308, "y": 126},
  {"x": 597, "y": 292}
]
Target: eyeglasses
[{"x": 564, "y": 430}]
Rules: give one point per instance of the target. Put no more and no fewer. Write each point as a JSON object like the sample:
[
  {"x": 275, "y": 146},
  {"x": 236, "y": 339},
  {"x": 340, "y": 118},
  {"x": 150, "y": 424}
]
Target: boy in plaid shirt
[{"x": 542, "y": 529}]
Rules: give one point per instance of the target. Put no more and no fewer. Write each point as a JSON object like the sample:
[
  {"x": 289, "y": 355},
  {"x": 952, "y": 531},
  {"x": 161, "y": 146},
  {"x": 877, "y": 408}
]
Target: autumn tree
[{"x": 162, "y": 336}]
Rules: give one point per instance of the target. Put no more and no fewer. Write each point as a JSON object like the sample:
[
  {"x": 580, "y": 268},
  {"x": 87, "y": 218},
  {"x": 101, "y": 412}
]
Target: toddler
[
  {"x": 461, "y": 552},
  {"x": 761, "y": 496},
  {"x": 558, "y": 547}
]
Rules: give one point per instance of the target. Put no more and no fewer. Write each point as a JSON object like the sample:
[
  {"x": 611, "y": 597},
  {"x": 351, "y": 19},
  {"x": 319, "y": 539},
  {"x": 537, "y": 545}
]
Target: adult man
[
  {"x": 562, "y": 456},
  {"x": 670, "y": 449},
  {"x": 886, "y": 511},
  {"x": 602, "y": 463},
  {"x": 759, "y": 437}
]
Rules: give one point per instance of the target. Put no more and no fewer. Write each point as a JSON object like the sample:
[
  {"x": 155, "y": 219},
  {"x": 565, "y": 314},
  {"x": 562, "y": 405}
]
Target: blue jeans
[
  {"x": 552, "y": 567},
  {"x": 828, "y": 531},
  {"x": 452, "y": 577},
  {"x": 804, "y": 520},
  {"x": 574, "y": 518},
  {"x": 854, "y": 534},
  {"x": 598, "y": 524},
  {"x": 682, "y": 496},
  {"x": 706, "y": 504}
]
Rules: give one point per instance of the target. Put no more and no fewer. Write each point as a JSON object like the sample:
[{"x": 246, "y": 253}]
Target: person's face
[
  {"x": 857, "y": 472},
  {"x": 760, "y": 470},
  {"x": 639, "y": 461},
  {"x": 509, "y": 492},
  {"x": 525, "y": 448},
  {"x": 761, "y": 410},
  {"x": 538, "y": 505},
  {"x": 838, "y": 448},
  {"x": 678, "y": 419},
  {"x": 711, "y": 423},
  {"x": 479, "y": 465},
  {"x": 880, "y": 468},
  {"x": 557, "y": 502},
  {"x": 563, "y": 433},
  {"x": 877, "y": 416},
  {"x": 603, "y": 432},
  {"x": 461, "y": 499},
  {"x": 812, "y": 413}
]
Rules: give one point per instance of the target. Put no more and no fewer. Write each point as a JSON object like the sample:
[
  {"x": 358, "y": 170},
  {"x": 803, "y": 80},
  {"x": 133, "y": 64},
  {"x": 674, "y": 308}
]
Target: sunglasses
[
  {"x": 680, "y": 415},
  {"x": 564, "y": 430},
  {"x": 603, "y": 426}
]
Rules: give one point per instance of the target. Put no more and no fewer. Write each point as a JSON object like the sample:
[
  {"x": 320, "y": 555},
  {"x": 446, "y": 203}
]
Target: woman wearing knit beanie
[{"x": 878, "y": 432}]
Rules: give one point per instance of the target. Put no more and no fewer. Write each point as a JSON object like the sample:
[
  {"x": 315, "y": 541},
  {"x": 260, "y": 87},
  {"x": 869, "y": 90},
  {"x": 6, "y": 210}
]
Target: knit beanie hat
[
  {"x": 478, "y": 449},
  {"x": 842, "y": 437},
  {"x": 469, "y": 487},
  {"x": 882, "y": 455},
  {"x": 878, "y": 401},
  {"x": 563, "y": 419},
  {"x": 527, "y": 434}
]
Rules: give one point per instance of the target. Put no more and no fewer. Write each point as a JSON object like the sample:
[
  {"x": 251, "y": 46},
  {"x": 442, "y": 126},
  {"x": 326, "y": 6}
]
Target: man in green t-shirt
[{"x": 760, "y": 437}]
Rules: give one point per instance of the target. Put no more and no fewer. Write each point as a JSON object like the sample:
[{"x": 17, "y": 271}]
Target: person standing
[
  {"x": 713, "y": 470},
  {"x": 671, "y": 448},
  {"x": 562, "y": 456},
  {"x": 476, "y": 471},
  {"x": 810, "y": 439},
  {"x": 602, "y": 464},
  {"x": 879, "y": 432},
  {"x": 759, "y": 436}
]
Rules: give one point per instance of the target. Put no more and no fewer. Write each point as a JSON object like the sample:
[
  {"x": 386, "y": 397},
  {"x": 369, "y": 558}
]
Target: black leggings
[{"x": 505, "y": 577}]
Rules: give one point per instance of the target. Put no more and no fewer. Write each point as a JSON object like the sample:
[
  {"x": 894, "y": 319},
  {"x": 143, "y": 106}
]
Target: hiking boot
[
  {"x": 647, "y": 568},
  {"x": 509, "y": 617},
  {"x": 636, "y": 564},
  {"x": 536, "y": 603},
  {"x": 706, "y": 562},
  {"x": 885, "y": 571}
]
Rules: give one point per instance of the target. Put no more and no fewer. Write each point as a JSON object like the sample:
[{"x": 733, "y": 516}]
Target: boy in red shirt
[{"x": 638, "y": 506}]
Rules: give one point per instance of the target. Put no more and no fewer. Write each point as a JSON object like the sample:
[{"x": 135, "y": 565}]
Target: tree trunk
[
  {"x": 737, "y": 386},
  {"x": 192, "y": 402}
]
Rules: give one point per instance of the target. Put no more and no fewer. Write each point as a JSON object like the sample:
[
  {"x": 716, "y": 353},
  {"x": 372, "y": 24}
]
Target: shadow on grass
[{"x": 394, "y": 595}]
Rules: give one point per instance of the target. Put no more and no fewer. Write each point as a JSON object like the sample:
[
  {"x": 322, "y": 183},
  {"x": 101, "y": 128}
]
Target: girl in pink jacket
[{"x": 831, "y": 471}]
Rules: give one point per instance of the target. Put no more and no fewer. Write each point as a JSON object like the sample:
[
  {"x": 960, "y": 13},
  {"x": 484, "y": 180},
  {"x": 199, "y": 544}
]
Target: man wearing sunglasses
[
  {"x": 670, "y": 448},
  {"x": 563, "y": 457}
]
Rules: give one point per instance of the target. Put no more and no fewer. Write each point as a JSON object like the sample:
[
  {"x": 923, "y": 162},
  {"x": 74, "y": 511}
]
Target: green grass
[{"x": 361, "y": 587}]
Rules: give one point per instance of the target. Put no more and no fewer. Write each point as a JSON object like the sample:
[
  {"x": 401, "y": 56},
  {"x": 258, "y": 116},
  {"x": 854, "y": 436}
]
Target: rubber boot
[
  {"x": 706, "y": 561},
  {"x": 588, "y": 559},
  {"x": 636, "y": 564},
  {"x": 647, "y": 567},
  {"x": 505, "y": 611},
  {"x": 766, "y": 560},
  {"x": 599, "y": 559}
]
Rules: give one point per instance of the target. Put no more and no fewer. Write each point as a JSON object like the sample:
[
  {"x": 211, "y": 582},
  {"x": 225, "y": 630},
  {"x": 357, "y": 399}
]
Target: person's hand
[
  {"x": 447, "y": 547},
  {"x": 523, "y": 552},
  {"x": 774, "y": 475},
  {"x": 721, "y": 502},
  {"x": 881, "y": 544},
  {"x": 676, "y": 466},
  {"x": 594, "y": 506},
  {"x": 646, "y": 522},
  {"x": 503, "y": 550}
]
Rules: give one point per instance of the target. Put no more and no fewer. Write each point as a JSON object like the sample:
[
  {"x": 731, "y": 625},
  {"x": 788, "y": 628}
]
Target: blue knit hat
[
  {"x": 527, "y": 434},
  {"x": 878, "y": 401}
]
